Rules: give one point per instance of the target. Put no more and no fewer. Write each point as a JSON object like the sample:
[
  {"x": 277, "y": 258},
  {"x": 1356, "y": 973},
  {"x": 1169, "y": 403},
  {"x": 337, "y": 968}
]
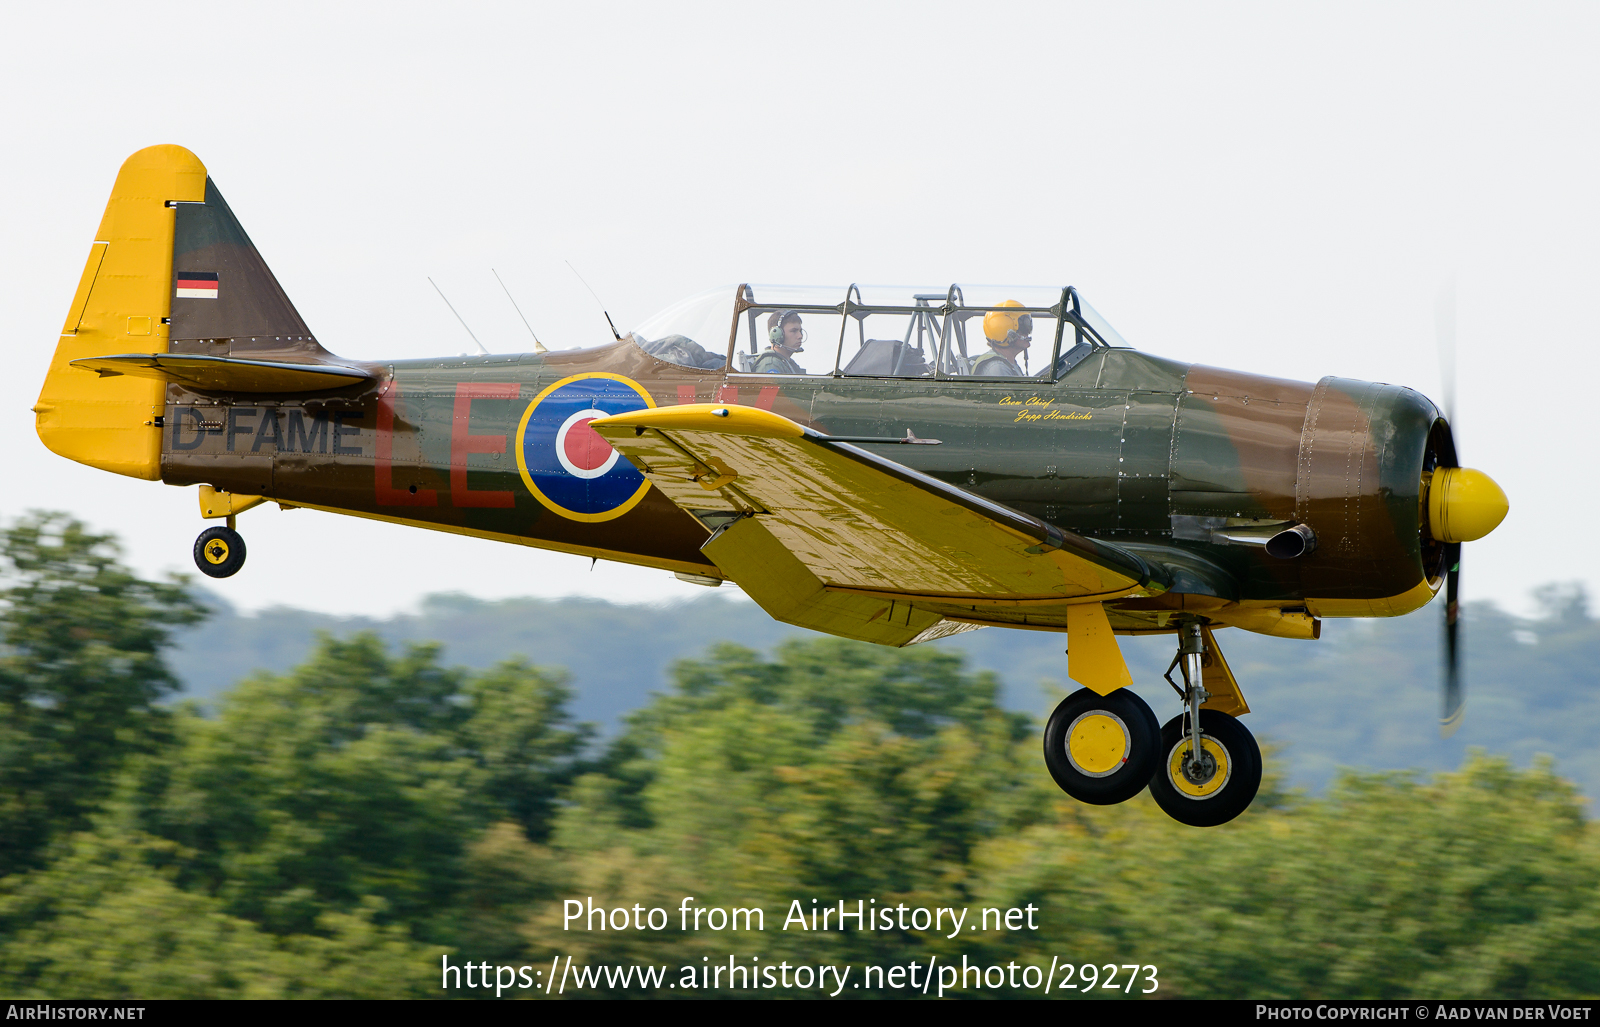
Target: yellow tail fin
[{"x": 122, "y": 305}]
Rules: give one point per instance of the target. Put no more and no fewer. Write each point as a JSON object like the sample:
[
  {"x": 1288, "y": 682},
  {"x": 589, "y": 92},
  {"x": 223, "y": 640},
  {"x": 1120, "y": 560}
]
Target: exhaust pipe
[{"x": 1293, "y": 542}]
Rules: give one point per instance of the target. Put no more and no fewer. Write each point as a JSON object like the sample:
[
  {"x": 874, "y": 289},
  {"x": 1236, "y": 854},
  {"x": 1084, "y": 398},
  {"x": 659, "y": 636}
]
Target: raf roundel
[
  {"x": 565, "y": 463},
  {"x": 581, "y": 450}
]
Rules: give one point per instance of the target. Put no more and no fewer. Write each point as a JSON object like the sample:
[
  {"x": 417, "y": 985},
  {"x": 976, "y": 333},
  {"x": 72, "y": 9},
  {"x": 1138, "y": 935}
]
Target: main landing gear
[
  {"x": 1203, "y": 767},
  {"x": 1102, "y": 749},
  {"x": 219, "y": 552},
  {"x": 1211, "y": 765}
]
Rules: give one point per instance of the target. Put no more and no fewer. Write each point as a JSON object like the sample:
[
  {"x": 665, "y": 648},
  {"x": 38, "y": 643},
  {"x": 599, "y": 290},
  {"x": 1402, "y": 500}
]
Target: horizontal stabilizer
[{"x": 227, "y": 374}]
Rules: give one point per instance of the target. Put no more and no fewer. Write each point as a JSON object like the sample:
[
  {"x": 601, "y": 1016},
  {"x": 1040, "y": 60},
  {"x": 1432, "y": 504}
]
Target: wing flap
[
  {"x": 784, "y": 587},
  {"x": 227, "y": 374}
]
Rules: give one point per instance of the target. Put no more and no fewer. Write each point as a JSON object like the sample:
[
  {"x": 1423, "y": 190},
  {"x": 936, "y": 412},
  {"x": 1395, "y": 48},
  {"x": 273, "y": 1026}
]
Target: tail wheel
[
  {"x": 219, "y": 552},
  {"x": 1220, "y": 784},
  {"x": 1102, "y": 749}
]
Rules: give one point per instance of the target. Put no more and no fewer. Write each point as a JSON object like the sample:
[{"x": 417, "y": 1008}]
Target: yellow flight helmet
[{"x": 1004, "y": 327}]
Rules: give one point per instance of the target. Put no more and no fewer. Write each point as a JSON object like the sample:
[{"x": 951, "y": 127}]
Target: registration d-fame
[{"x": 893, "y": 465}]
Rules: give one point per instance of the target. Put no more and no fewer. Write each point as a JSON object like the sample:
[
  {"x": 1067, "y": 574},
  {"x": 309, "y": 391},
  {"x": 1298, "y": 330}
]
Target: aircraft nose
[{"x": 1464, "y": 505}]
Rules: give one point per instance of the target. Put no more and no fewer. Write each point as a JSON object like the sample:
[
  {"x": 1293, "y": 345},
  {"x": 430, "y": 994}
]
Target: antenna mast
[
  {"x": 597, "y": 299},
  {"x": 463, "y": 320},
  {"x": 538, "y": 347}
]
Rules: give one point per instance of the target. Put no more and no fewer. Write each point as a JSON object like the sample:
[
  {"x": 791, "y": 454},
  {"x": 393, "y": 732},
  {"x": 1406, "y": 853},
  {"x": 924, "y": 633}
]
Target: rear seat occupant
[
  {"x": 787, "y": 335},
  {"x": 1009, "y": 337}
]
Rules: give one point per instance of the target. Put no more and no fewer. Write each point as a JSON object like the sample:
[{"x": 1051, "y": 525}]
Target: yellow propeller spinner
[{"x": 1464, "y": 505}]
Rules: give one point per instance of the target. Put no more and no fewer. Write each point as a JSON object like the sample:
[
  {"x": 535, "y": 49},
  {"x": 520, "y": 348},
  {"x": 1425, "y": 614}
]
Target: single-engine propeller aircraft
[{"x": 876, "y": 463}]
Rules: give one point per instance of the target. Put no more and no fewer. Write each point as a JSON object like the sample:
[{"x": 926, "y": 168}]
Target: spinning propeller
[{"x": 1463, "y": 505}]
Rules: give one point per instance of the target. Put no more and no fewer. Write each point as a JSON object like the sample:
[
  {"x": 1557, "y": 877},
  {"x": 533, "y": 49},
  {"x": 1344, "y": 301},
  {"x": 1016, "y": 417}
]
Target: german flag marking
[{"x": 196, "y": 285}]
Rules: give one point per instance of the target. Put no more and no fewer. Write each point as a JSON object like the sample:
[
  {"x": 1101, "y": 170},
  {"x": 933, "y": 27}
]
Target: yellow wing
[{"x": 824, "y": 534}]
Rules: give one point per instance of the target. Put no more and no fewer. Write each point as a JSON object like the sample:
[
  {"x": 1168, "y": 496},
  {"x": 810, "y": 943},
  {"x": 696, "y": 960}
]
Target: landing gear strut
[
  {"x": 1211, "y": 766},
  {"x": 219, "y": 552}
]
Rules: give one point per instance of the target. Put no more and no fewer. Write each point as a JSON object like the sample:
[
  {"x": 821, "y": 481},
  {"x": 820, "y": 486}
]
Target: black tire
[
  {"x": 1184, "y": 802},
  {"x": 219, "y": 552},
  {"x": 1103, "y": 778}
]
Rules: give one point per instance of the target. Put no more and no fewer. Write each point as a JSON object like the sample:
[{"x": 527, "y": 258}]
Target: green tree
[
  {"x": 1482, "y": 883},
  {"x": 831, "y": 770},
  {"x": 105, "y": 921},
  {"x": 332, "y": 830},
  {"x": 519, "y": 733},
  {"x": 818, "y": 687},
  {"x": 764, "y": 780},
  {"x": 358, "y": 775},
  {"x": 81, "y": 674}
]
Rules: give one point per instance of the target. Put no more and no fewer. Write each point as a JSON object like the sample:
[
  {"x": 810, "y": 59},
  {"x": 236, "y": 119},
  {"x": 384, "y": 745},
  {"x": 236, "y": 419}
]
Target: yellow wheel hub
[
  {"x": 216, "y": 552},
  {"x": 1097, "y": 743},
  {"x": 1199, "y": 782}
]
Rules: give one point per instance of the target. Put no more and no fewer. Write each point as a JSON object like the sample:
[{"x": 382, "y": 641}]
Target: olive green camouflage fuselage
[{"x": 1126, "y": 447}]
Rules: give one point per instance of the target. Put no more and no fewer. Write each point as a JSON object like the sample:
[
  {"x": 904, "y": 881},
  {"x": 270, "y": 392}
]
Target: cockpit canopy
[{"x": 880, "y": 331}]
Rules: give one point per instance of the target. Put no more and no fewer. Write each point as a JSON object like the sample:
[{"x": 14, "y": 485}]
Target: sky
[{"x": 1277, "y": 188}]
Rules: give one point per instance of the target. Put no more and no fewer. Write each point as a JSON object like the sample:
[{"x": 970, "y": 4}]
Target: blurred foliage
[
  {"x": 1484, "y": 882},
  {"x": 104, "y": 920},
  {"x": 80, "y": 676},
  {"x": 335, "y": 830},
  {"x": 359, "y": 775},
  {"x": 1530, "y": 680}
]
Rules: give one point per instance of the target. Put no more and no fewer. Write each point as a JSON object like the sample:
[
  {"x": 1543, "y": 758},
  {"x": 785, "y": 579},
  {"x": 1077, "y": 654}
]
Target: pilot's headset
[{"x": 775, "y": 327}]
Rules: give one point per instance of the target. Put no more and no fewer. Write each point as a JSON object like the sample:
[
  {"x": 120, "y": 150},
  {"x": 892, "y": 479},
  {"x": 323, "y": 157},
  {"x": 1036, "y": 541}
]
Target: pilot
[
  {"x": 788, "y": 336},
  {"x": 1009, "y": 337}
]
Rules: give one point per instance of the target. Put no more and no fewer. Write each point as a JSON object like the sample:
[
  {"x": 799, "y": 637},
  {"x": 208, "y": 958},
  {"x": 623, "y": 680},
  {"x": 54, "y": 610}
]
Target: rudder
[{"x": 122, "y": 304}]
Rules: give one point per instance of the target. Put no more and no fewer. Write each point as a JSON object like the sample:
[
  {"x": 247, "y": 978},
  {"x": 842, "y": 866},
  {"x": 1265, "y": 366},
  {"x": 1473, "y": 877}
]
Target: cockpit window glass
[
  {"x": 692, "y": 332},
  {"x": 892, "y": 331},
  {"x": 1072, "y": 354},
  {"x": 895, "y": 343},
  {"x": 999, "y": 331},
  {"x": 1101, "y": 326},
  {"x": 924, "y": 332},
  {"x": 785, "y": 329},
  {"x": 1005, "y": 340},
  {"x": 787, "y": 340},
  {"x": 956, "y": 331}
]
